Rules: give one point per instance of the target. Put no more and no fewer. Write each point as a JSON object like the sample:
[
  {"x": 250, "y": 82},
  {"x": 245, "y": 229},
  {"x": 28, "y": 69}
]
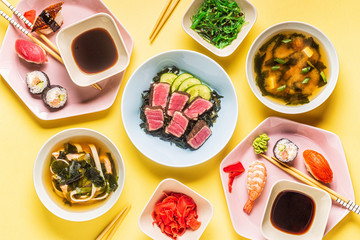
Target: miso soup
[{"x": 291, "y": 68}]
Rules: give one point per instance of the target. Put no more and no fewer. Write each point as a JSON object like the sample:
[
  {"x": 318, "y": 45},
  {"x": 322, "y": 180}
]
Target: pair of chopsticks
[
  {"x": 350, "y": 205},
  {"x": 164, "y": 15},
  {"x": 53, "y": 52},
  {"x": 114, "y": 224}
]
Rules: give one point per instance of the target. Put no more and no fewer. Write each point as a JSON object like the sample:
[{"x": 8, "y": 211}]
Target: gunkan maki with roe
[
  {"x": 55, "y": 96},
  {"x": 285, "y": 150},
  {"x": 37, "y": 82}
]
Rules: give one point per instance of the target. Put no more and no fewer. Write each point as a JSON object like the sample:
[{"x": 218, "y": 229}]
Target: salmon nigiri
[{"x": 256, "y": 179}]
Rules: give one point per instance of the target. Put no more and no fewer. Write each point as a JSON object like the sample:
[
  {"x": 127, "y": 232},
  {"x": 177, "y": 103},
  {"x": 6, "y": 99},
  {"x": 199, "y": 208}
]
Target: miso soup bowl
[
  {"x": 42, "y": 181},
  {"x": 316, "y": 230},
  {"x": 332, "y": 66},
  {"x": 68, "y": 34}
]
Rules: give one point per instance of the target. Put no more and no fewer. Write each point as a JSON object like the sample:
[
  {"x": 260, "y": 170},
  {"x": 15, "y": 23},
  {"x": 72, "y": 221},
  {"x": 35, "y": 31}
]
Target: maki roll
[
  {"x": 37, "y": 82},
  {"x": 285, "y": 150},
  {"x": 55, "y": 96}
]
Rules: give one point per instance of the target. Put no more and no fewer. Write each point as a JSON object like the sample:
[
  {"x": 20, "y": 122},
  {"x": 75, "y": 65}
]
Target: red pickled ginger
[{"x": 176, "y": 213}]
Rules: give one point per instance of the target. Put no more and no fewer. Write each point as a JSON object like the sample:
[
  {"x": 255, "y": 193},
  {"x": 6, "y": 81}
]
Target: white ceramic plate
[
  {"x": 250, "y": 18},
  {"x": 44, "y": 190},
  {"x": 203, "y": 206},
  {"x": 209, "y": 72},
  {"x": 332, "y": 66},
  {"x": 316, "y": 230}
]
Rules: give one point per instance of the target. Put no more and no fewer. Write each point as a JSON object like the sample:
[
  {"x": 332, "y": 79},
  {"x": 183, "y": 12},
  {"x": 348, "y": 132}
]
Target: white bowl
[
  {"x": 66, "y": 36},
  {"x": 322, "y": 202},
  {"x": 208, "y": 71},
  {"x": 204, "y": 210},
  {"x": 325, "y": 44},
  {"x": 250, "y": 18},
  {"x": 41, "y": 177}
]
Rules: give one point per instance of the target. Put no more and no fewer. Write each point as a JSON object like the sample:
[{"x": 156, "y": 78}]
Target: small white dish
[
  {"x": 325, "y": 44},
  {"x": 204, "y": 211},
  {"x": 250, "y": 18},
  {"x": 322, "y": 202},
  {"x": 66, "y": 36},
  {"x": 209, "y": 72},
  {"x": 41, "y": 176}
]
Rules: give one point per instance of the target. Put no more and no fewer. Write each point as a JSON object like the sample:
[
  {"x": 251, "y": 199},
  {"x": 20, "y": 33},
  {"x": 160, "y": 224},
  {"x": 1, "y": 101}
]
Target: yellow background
[{"x": 22, "y": 215}]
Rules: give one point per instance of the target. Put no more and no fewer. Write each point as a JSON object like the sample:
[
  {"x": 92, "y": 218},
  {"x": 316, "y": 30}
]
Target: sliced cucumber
[
  {"x": 199, "y": 90},
  {"x": 176, "y": 83},
  {"x": 168, "y": 77},
  {"x": 188, "y": 83}
]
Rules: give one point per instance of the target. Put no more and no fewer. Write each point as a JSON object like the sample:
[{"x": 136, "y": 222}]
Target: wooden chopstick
[
  {"x": 168, "y": 3},
  {"x": 34, "y": 39},
  {"x": 164, "y": 19},
  {"x": 114, "y": 224},
  {"x": 310, "y": 181},
  {"x": 27, "y": 22}
]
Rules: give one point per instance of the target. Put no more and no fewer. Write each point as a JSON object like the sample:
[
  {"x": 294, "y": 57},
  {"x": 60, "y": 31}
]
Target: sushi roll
[
  {"x": 285, "y": 150},
  {"x": 37, "y": 82},
  {"x": 55, "y": 96}
]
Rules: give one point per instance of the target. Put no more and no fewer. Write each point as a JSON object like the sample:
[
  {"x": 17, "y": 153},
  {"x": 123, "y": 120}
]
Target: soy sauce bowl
[
  {"x": 66, "y": 37},
  {"x": 322, "y": 202}
]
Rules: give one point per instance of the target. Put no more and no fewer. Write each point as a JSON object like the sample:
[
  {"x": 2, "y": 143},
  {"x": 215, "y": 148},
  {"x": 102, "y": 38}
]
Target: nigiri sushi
[
  {"x": 256, "y": 179},
  {"x": 49, "y": 20},
  {"x": 317, "y": 165},
  {"x": 30, "y": 51}
]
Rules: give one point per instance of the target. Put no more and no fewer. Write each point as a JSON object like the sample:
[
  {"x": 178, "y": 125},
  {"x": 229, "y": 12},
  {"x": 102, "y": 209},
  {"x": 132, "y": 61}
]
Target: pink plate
[
  {"x": 82, "y": 100},
  {"x": 305, "y": 137}
]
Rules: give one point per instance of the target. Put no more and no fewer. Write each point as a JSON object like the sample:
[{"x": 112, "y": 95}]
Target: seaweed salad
[
  {"x": 193, "y": 91},
  {"x": 218, "y": 22},
  {"x": 290, "y": 67}
]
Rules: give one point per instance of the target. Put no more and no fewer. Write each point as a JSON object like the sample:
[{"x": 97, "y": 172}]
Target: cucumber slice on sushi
[
  {"x": 199, "y": 90},
  {"x": 188, "y": 83},
  {"x": 177, "y": 82},
  {"x": 168, "y": 77}
]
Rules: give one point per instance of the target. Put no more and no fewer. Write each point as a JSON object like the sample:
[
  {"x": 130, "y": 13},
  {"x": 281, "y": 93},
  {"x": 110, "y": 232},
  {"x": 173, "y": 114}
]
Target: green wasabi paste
[{"x": 260, "y": 143}]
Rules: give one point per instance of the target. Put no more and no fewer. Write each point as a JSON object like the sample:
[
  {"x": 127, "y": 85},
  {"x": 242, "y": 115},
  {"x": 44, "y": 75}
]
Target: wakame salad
[{"x": 218, "y": 22}]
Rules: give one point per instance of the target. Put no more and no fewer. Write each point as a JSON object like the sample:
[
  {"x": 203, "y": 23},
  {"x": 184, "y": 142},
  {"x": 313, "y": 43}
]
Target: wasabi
[{"x": 260, "y": 143}]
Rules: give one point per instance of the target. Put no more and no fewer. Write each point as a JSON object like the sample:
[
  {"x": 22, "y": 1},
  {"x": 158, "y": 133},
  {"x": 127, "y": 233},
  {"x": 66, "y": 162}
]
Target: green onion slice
[
  {"x": 322, "y": 74},
  {"x": 306, "y": 80},
  {"x": 281, "y": 88},
  {"x": 305, "y": 70},
  {"x": 275, "y": 68},
  {"x": 286, "y": 40},
  {"x": 279, "y": 60}
]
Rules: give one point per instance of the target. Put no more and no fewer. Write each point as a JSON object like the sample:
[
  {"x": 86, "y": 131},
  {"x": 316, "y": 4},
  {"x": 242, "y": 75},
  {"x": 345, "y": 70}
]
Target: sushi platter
[{"x": 179, "y": 120}]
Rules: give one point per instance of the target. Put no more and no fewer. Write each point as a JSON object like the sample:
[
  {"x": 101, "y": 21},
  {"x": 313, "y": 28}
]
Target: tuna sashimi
[
  {"x": 177, "y": 102},
  {"x": 175, "y": 214},
  {"x": 199, "y": 134},
  {"x": 197, "y": 107},
  {"x": 30, "y": 52},
  {"x": 154, "y": 118},
  {"x": 159, "y": 94},
  {"x": 177, "y": 125}
]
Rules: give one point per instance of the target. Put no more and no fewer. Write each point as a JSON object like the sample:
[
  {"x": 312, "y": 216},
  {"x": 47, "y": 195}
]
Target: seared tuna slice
[
  {"x": 159, "y": 94},
  {"x": 197, "y": 107},
  {"x": 177, "y": 102},
  {"x": 154, "y": 118},
  {"x": 198, "y": 135},
  {"x": 177, "y": 125}
]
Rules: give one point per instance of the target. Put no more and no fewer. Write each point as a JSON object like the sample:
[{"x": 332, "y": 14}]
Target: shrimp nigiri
[{"x": 256, "y": 179}]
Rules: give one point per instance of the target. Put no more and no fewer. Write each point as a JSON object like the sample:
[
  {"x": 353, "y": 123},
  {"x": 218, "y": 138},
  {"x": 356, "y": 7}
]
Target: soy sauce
[
  {"x": 292, "y": 212},
  {"x": 94, "y": 51}
]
